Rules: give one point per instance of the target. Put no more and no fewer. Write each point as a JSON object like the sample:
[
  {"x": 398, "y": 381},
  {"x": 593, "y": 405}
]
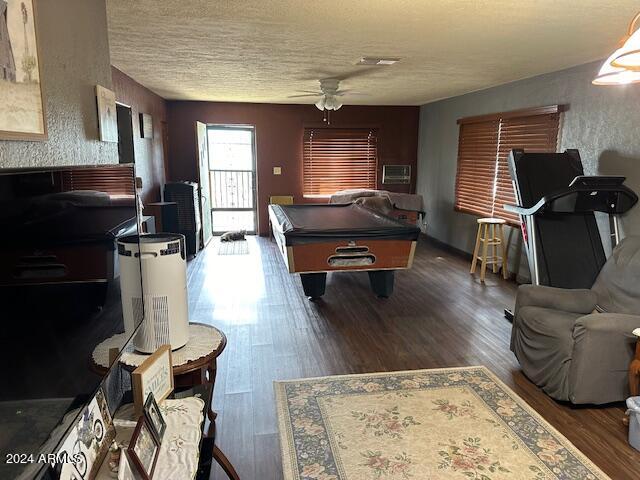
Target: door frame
[
  {"x": 254, "y": 166},
  {"x": 130, "y": 152},
  {"x": 204, "y": 238}
]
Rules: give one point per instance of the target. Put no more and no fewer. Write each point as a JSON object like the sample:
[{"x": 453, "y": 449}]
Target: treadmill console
[{"x": 596, "y": 181}]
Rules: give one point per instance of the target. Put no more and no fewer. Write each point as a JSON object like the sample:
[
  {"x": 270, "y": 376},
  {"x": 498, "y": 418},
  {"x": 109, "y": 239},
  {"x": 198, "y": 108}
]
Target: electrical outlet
[{"x": 277, "y": 170}]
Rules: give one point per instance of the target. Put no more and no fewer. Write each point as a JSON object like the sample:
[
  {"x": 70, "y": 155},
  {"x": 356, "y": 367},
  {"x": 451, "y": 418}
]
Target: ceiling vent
[{"x": 377, "y": 61}]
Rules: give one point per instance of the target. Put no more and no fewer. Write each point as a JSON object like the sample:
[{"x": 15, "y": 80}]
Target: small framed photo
[
  {"x": 146, "y": 125},
  {"x": 154, "y": 375},
  {"x": 143, "y": 449},
  {"x": 125, "y": 472},
  {"x": 154, "y": 417}
]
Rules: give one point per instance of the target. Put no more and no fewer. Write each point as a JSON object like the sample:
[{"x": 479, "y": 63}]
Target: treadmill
[{"x": 557, "y": 205}]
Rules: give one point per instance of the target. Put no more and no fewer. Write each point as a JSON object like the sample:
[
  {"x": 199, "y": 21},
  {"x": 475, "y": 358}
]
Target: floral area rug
[{"x": 454, "y": 423}]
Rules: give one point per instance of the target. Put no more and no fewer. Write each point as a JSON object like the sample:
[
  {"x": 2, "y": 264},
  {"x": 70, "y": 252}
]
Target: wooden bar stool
[{"x": 490, "y": 235}]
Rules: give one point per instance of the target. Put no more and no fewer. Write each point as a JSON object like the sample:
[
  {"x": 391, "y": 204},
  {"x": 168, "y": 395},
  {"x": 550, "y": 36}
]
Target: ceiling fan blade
[
  {"x": 342, "y": 93},
  {"x": 305, "y": 95},
  {"x": 359, "y": 72}
]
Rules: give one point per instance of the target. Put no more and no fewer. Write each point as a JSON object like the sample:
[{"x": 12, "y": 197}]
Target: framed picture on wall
[
  {"x": 146, "y": 125},
  {"x": 107, "y": 116},
  {"x": 22, "y": 109}
]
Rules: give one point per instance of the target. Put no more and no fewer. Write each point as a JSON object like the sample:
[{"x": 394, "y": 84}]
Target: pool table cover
[{"x": 311, "y": 223}]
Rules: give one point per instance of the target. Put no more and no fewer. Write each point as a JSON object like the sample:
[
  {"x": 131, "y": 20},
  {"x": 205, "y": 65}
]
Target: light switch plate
[{"x": 277, "y": 170}]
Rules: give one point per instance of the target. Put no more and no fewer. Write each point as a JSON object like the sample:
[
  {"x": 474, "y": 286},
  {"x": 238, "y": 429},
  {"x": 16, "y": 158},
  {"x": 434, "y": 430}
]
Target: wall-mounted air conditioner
[{"x": 396, "y": 174}]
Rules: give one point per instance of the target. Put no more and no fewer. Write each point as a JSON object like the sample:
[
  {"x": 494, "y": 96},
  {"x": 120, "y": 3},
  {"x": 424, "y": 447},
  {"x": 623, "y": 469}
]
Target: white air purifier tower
[{"x": 153, "y": 282}]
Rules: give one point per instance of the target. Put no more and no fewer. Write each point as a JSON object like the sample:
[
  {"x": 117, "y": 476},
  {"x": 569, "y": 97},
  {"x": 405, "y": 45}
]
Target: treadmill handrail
[
  {"x": 547, "y": 200},
  {"x": 520, "y": 210}
]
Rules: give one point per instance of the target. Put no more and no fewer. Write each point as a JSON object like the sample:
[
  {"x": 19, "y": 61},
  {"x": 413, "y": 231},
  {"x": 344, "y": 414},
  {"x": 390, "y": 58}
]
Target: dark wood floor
[{"x": 438, "y": 316}]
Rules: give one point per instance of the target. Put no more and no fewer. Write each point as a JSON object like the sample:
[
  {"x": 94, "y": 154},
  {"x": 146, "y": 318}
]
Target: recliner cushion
[
  {"x": 543, "y": 343},
  {"x": 618, "y": 284}
]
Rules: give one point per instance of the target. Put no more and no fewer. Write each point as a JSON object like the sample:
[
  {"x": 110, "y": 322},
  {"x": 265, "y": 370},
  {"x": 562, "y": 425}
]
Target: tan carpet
[{"x": 455, "y": 423}]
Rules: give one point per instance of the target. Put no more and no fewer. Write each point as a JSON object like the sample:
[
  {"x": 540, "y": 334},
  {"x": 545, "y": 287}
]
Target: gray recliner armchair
[{"x": 577, "y": 344}]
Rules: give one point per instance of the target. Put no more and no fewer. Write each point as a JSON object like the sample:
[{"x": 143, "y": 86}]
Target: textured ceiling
[{"x": 266, "y": 50}]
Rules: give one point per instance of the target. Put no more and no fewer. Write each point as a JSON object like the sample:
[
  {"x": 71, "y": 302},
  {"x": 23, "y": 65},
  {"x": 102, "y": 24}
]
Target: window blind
[
  {"x": 338, "y": 159},
  {"x": 535, "y": 133},
  {"x": 115, "y": 180},
  {"x": 483, "y": 181},
  {"x": 477, "y": 148}
]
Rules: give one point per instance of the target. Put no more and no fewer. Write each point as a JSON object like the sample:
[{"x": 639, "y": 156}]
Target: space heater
[{"x": 153, "y": 280}]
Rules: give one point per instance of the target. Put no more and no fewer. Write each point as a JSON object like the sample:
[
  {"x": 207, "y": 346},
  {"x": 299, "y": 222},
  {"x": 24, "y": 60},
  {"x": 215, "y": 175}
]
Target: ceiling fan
[{"x": 329, "y": 94}]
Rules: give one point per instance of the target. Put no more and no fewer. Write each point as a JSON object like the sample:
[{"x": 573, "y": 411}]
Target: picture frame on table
[
  {"x": 87, "y": 443},
  {"x": 125, "y": 470},
  {"x": 154, "y": 417},
  {"x": 154, "y": 375},
  {"x": 143, "y": 449}
]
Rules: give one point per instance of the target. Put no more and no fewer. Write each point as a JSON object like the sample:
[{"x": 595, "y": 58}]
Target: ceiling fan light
[
  {"x": 629, "y": 54},
  {"x": 624, "y": 77},
  {"x": 320, "y": 104},
  {"x": 337, "y": 104},
  {"x": 330, "y": 103},
  {"x": 610, "y": 75}
]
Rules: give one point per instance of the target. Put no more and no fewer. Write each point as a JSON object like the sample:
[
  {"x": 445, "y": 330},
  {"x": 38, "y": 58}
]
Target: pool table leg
[
  {"x": 382, "y": 282},
  {"x": 313, "y": 284}
]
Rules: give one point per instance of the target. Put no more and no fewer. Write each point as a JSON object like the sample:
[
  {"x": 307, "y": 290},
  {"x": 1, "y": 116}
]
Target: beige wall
[{"x": 74, "y": 57}]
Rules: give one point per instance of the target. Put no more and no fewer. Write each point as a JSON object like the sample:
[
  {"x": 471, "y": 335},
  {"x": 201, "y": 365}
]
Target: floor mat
[{"x": 239, "y": 247}]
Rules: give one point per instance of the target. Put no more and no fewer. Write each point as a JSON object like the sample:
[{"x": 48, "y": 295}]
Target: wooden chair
[
  {"x": 281, "y": 200},
  {"x": 490, "y": 236}
]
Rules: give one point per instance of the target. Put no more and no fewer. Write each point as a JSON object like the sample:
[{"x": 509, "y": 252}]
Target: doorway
[
  {"x": 232, "y": 178},
  {"x": 125, "y": 133}
]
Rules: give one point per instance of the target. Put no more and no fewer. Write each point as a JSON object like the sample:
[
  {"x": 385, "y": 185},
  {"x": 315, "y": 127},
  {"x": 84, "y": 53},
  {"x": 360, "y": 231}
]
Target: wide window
[
  {"x": 483, "y": 181},
  {"x": 339, "y": 158}
]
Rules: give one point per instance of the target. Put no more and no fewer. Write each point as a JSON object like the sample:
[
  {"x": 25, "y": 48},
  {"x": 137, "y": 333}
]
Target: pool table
[{"x": 316, "y": 239}]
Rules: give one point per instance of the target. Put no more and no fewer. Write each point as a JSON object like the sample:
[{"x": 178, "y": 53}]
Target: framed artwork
[
  {"x": 154, "y": 417},
  {"x": 154, "y": 375},
  {"x": 88, "y": 442},
  {"x": 22, "y": 109},
  {"x": 107, "y": 115},
  {"x": 143, "y": 449},
  {"x": 104, "y": 407},
  {"x": 146, "y": 125}
]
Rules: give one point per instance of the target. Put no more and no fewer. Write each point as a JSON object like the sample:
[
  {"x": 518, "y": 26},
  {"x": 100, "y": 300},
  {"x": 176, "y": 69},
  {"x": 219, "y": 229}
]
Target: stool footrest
[{"x": 491, "y": 242}]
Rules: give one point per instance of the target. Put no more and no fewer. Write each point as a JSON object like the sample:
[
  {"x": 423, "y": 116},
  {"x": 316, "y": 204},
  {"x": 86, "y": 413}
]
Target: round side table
[{"x": 193, "y": 364}]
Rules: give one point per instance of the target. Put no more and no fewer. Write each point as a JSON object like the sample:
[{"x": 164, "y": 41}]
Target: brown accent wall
[
  {"x": 279, "y": 130},
  {"x": 149, "y": 153}
]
